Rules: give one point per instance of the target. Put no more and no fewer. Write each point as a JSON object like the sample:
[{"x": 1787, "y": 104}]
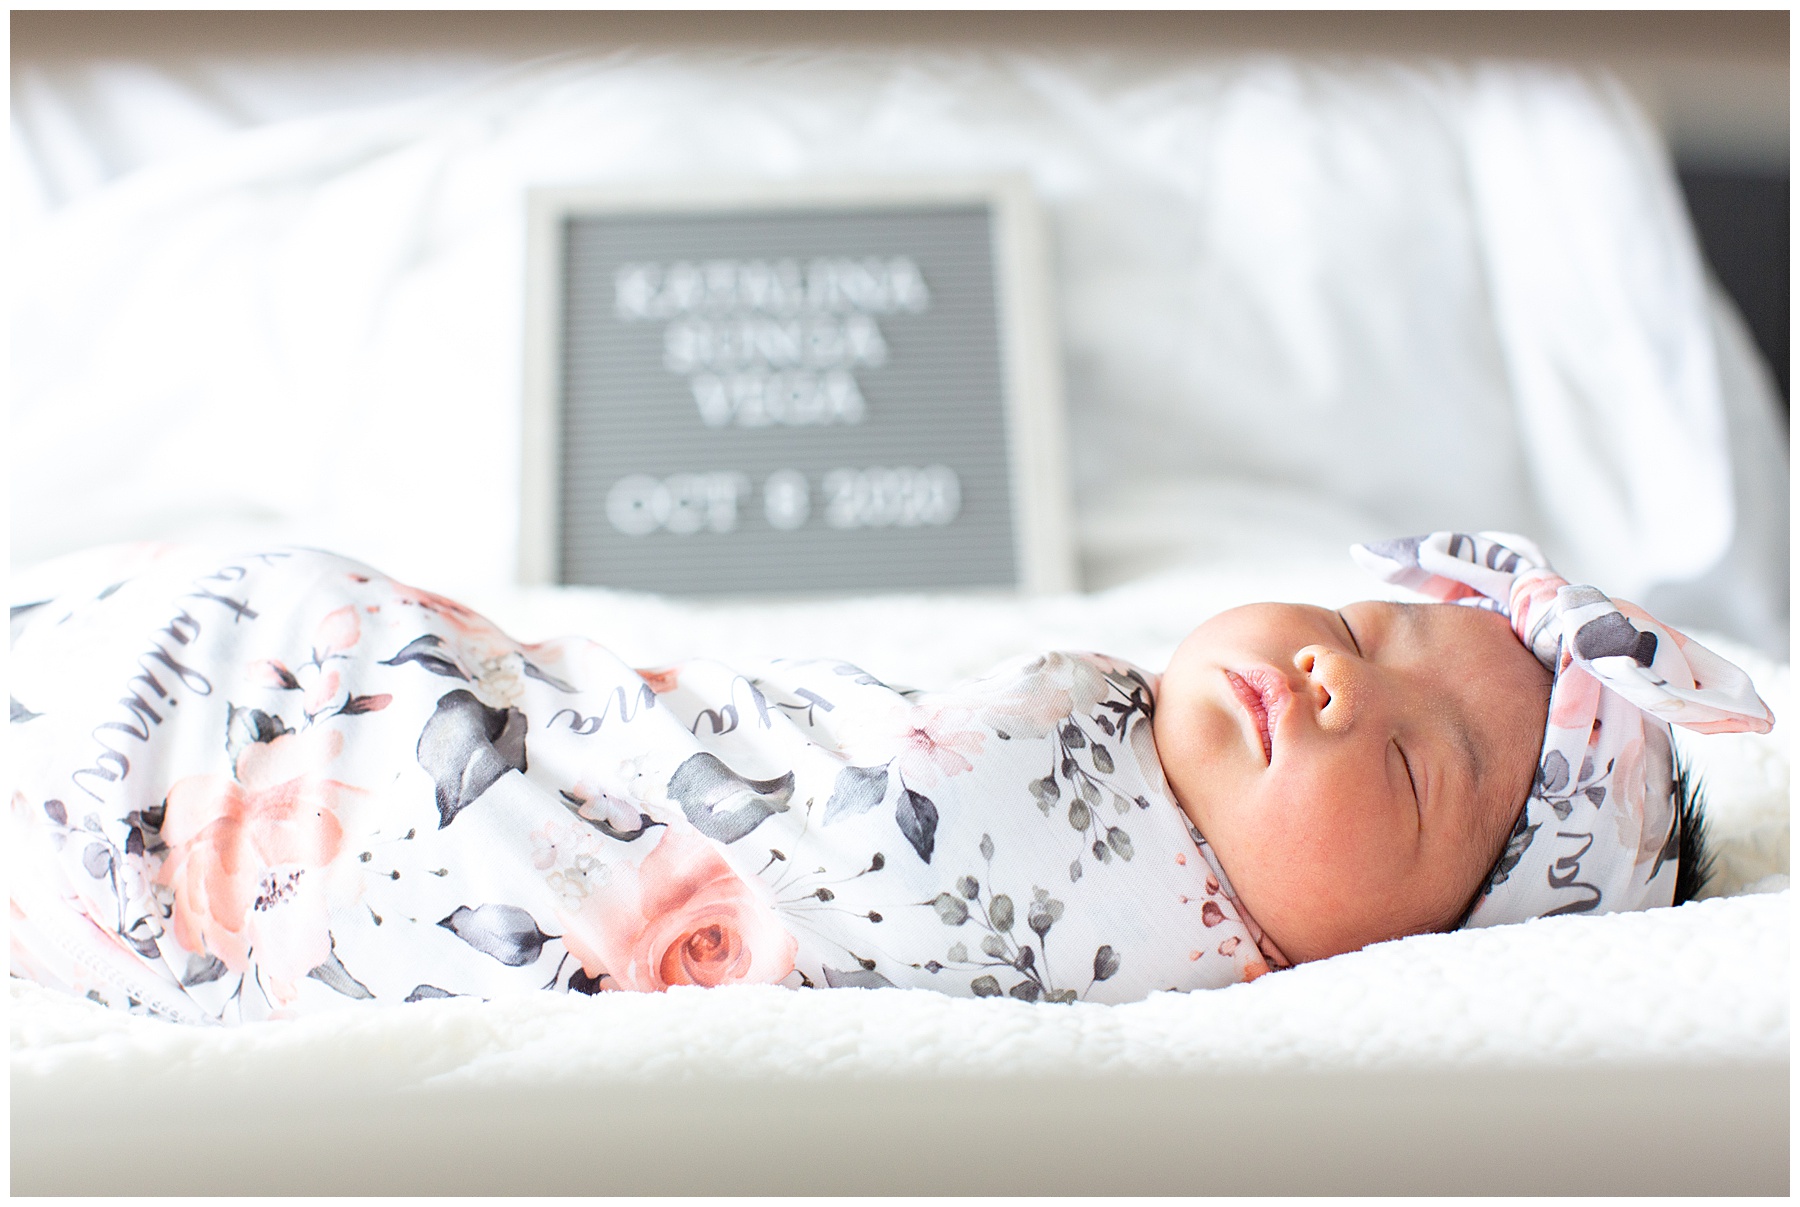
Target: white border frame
[{"x": 1031, "y": 374}]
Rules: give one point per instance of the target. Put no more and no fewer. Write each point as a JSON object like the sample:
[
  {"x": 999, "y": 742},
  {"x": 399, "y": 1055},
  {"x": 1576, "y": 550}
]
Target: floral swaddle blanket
[{"x": 283, "y": 783}]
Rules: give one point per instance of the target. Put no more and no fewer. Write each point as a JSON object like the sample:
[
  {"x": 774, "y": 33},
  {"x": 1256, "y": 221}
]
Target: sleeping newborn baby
[{"x": 283, "y": 783}]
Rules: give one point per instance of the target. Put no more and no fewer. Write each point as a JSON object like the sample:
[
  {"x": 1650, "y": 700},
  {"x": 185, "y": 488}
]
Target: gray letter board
[{"x": 790, "y": 391}]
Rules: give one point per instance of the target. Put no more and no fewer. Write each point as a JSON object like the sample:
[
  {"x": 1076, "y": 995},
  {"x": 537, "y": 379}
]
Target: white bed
[{"x": 315, "y": 301}]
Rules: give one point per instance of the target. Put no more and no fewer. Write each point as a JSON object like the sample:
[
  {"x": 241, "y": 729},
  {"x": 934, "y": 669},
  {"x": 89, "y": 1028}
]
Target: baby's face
[{"x": 1356, "y": 772}]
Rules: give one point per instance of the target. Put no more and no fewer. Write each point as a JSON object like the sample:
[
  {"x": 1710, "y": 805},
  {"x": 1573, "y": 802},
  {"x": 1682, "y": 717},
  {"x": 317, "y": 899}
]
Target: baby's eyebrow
[{"x": 1465, "y": 738}]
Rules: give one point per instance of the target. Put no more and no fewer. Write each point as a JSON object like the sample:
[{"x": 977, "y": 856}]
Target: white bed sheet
[{"x": 1434, "y": 1054}]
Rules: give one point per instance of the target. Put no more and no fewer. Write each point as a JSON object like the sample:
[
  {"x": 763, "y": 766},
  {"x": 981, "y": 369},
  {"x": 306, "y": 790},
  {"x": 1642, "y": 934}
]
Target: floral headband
[{"x": 1598, "y": 832}]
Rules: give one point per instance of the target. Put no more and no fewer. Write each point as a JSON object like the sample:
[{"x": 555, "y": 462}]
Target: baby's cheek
[
  {"x": 1189, "y": 756},
  {"x": 1325, "y": 826}
]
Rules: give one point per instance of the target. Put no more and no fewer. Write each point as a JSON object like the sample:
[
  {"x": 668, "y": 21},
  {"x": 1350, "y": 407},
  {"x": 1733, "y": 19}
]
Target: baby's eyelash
[
  {"x": 1407, "y": 763},
  {"x": 1351, "y": 633}
]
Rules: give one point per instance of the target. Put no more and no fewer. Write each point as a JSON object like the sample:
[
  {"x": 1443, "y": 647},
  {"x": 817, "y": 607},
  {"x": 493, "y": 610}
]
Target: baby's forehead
[
  {"x": 1454, "y": 640},
  {"x": 1429, "y": 623}
]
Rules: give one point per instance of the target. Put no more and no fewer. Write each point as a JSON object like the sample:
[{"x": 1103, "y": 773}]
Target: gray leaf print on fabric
[
  {"x": 506, "y": 932},
  {"x": 285, "y": 677},
  {"x": 21, "y": 714},
  {"x": 1106, "y": 962},
  {"x": 424, "y": 651},
  {"x": 917, "y": 818},
  {"x": 1553, "y": 776},
  {"x": 333, "y": 973},
  {"x": 98, "y": 860},
  {"x": 1044, "y": 912},
  {"x": 245, "y": 727},
  {"x": 427, "y": 992},
  {"x": 576, "y": 804},
  {"x": 1000, "y": 912},
  {"x": 985, "y": 986},
  {"x": 856, "y": 978},
  {"x": 1613, "y": 636},
  {"x": 144, "y": 943},
  {"x": 722, "y": 804},
  {"x": 1578, "y": 595},
  {"x": 466, "y": 746},
  {"x": 856, "y": 791},
  {"x": 203, "y": 970},
  {"x": 950, "y": 909},
  {"x": 1516, "y": 844},
  {"x": 533, "y": 671}
]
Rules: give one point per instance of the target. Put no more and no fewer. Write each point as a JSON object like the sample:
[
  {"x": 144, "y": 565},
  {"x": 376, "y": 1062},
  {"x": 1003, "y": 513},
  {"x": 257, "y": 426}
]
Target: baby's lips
[
  {"x": 1248, "y": 701},
  {"x": 1265, "y": 695},
  {"x": 1278, "y": 693}
]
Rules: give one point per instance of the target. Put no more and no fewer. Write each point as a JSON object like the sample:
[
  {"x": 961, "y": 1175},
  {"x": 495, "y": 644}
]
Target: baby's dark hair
[
  {"x": 1693, "y": 858},
  {"x": 1687, "y": 843}
]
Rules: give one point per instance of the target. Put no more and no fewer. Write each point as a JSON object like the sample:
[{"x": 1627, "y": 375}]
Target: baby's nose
[
  {"x": 1315, "y": 664},
  {"x": 1337, "y": 684}
]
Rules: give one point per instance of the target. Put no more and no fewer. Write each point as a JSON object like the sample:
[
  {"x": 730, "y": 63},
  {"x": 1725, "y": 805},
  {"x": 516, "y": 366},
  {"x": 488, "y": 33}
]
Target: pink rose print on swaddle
[
  {"x": 682, "y": 917},
  {"x": 247, "y": 855}
]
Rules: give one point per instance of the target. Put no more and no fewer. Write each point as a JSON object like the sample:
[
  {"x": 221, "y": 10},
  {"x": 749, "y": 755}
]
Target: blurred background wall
[{"x": 1716, "y": 83}]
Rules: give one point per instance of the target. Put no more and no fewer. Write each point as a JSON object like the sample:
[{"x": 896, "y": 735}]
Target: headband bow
[{"x": 1598, "y": 832}]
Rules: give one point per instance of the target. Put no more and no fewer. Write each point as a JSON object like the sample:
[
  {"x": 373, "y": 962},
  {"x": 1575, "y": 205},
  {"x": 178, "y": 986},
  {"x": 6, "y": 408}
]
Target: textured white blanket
[{"x": 1707, "y": 982}]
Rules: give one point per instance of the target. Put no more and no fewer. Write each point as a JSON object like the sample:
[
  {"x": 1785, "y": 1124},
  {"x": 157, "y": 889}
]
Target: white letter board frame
[{"x": 1030, "y": 378}]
